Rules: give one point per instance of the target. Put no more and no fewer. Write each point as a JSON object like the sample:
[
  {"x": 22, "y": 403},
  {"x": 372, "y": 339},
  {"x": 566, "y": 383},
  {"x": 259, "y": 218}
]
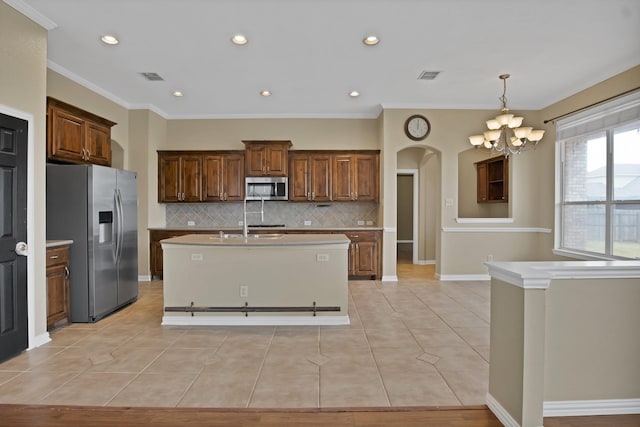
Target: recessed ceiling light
[
  {"x": 371, "y": 40},
  {"x": 109, "y": 39},
  {"x": 354, "y": 94},
  {"x": 239, "y": 39},
  {"x": 177, "y": 93},
  {"x": 265, "y": 93}
]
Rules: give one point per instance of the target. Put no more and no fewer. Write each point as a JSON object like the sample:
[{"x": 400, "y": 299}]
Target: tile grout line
[
  {"x": 320, "y": 366},
  {"x": 366, "y": 337},
  {"x": 134, "y": 377},
  {"x": 419, "y": 345},
  {"x": 454, "y": 331},
  {"x": 264, "y": 358},
  {"x": 186, "y": 390}
]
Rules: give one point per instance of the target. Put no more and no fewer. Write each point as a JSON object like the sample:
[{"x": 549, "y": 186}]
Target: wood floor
[{"x": 59, "y": 416}]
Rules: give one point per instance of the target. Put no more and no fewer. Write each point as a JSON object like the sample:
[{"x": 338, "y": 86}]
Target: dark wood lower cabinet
[
  {"x": 365, "y": 254},
  {"x": 57, "y": 273}
]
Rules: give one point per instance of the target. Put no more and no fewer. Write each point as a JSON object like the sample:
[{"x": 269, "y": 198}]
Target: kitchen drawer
[
  {"x": 57, "y": 256},
  {"x": 362, "y": 236}
]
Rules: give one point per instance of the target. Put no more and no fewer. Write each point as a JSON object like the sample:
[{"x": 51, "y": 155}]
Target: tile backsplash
[{"x": 275, "y": 212}]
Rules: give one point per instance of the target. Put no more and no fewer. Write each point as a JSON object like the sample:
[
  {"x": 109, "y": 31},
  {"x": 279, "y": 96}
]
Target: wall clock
[{"x": 417, "y": 127}]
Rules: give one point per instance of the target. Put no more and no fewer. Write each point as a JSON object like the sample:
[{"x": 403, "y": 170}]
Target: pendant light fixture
[{"x": 506, "y": 134}]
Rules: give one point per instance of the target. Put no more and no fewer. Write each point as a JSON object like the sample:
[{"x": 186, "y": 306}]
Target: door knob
[{"x": 22, "y": 249}]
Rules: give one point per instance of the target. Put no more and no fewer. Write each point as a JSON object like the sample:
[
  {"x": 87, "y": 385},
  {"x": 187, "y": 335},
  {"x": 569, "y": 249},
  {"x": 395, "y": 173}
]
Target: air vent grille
[
  {"x": 154, "y": 77},
  {"x": 428, "y": 75}
]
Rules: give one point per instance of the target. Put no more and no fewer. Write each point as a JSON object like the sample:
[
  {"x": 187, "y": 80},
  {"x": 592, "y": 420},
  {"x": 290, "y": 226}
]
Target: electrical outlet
[
  {"x": 307, "y": 223},
  {"x": 244, "y": 291},
  {"x": 196, "y": 257},
  {"x": 191, "y": 223},
  {"x": 369, "y": 222},
  {"x": 489, "y": 258},
  {"x": 322, "y": 257},
  {"x": 360, "y": 222},
  {"x": 240, "y": 223}
]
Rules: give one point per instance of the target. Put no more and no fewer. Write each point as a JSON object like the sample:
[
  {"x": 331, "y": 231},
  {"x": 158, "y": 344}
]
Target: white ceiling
[{"x": 310, "y": 54}]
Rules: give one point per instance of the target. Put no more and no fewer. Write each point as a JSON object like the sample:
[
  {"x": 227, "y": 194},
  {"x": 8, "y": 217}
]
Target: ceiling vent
[
  {"x": 154, "y": 77},
  {"x": 428, "y": 75}
]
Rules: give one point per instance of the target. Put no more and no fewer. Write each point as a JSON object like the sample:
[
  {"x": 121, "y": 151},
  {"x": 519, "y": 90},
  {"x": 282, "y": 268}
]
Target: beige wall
[
  {"x": 305, "y": 134},
  {"x": 592, "y": 345},
  {"x": 23, "y": 47},
  {"x": 507, "y": 345}
]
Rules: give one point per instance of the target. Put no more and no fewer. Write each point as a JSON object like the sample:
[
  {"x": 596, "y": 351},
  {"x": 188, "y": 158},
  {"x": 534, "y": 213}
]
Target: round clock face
[{"x": 417, "y": 127}]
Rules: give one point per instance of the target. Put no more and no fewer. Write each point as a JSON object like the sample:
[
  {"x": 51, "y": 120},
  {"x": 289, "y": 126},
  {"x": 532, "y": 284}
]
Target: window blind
[{"x": 614, "y": 113}]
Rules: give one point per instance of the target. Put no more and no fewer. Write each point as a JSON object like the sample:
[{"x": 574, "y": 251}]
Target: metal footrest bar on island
[{"x": 246, "y": 309}]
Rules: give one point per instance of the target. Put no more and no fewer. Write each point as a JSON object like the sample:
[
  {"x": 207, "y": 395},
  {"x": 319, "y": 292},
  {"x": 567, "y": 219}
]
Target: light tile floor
[{"x": 417, "y": 342}]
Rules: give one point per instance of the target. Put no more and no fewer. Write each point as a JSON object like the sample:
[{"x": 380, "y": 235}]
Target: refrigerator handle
[{"x": 119, "y": 228}]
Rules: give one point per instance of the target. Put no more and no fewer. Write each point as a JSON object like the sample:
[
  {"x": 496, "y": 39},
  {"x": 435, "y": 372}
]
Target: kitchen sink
[{"x": 250, "y": 236}]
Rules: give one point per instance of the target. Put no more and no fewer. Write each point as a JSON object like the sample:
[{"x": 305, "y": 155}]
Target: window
[{"x": 598, "y": 181}]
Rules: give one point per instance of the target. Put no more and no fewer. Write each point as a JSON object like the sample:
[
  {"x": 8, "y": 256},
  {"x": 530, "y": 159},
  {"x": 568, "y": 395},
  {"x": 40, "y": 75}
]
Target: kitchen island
[{"x": 260, "y": 279}]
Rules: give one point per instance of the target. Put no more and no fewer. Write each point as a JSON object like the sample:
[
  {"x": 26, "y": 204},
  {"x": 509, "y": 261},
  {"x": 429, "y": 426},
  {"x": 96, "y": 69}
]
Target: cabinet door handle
[
  {"x": 308, "y": 196},
  {"x": 354, "y": 235},
  {"x": 221, "y": 196},
  {"x": 356, "y": 196},
  {"x": 178, "y": 196},
  {"x": 66, "y": 272},
  {"x": 54, "y": 257},
  {"x": 183, "y": 197},
  {"x": 226, "y": 196},
  {"x": 88, "y": 154},
  {"x": 313, "y": 195},
  {"x": 83, "y": 155}
]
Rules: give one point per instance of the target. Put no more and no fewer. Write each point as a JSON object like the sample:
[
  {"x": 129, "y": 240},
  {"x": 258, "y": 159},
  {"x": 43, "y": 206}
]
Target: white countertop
[
  {"x": 239, "y": 228},
  {"x": 538, "y": 274},
  {"x": 54, "y": 243},
  {"x": 271, "y": 240}
]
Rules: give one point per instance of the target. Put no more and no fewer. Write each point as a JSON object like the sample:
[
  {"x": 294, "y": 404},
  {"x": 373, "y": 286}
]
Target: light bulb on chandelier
[{"x": 497, "y": 138}]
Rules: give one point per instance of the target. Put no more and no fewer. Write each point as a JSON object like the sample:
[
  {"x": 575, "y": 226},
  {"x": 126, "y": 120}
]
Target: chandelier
[{"x": 505, "y": 134}]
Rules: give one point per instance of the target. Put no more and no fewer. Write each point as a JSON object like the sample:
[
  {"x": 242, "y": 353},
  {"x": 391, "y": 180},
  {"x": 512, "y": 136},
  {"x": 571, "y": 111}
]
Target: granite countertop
[
  {"x": 54, "y": 243},
  {"x": 363, "y": 228},
  {"x": 258, "y": 240}
]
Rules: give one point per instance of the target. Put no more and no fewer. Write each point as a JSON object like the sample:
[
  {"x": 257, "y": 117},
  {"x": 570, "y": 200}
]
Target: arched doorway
[{"x": 418, "y": 192}]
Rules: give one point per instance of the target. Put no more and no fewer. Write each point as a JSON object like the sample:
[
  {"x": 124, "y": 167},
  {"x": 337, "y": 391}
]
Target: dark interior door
[{"x": 13, "y": 230}]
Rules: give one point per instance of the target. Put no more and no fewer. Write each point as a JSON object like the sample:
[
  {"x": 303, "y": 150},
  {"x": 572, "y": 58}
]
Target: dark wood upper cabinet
[
  {"x": 77, "y": 136},
  {"x": 355, "y": 177},
  {"x": 493, "y": 180},
  {"x": 310, "y": 176},
  {"x": 223, "y": 176},
  {"x": 179, "y": 177},
  {"x": 266, "y": 158}
]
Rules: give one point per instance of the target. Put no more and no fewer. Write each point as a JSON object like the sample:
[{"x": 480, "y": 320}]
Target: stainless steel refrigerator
[{"x": 96, "y": 207}]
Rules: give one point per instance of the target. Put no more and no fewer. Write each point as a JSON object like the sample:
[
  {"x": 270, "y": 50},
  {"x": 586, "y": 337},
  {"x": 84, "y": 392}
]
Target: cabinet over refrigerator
[{"x": 96, "y": 207}]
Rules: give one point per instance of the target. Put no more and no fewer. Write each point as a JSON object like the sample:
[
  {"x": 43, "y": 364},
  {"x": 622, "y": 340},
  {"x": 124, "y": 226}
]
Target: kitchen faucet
[{"x": 245, "y": 230}]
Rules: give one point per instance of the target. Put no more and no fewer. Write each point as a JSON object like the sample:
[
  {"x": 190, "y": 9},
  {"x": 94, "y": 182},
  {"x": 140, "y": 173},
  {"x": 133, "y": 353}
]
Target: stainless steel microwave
[{"x": 266, "y": 188}]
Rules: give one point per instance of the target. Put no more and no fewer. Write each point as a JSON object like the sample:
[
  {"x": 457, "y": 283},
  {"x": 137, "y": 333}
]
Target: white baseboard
[
  {"x": 501, "y": 414},
  {"x": 39, "y": 340},
  {"x": 575, "y": 408},
  {"x": 146, "y": 278},
  {"x": 462, "y": 277},
  {"x": 390, "y": 278},
  {"x": 426, "y": 262},
  {"x": 255, "y": 320}
]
